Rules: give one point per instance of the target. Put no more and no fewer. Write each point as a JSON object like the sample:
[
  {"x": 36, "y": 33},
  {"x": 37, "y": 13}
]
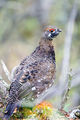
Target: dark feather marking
[{"x": 34, "y": 70}]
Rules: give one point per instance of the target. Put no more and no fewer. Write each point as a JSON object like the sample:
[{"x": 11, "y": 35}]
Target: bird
[{"x": 35, "y": 73}]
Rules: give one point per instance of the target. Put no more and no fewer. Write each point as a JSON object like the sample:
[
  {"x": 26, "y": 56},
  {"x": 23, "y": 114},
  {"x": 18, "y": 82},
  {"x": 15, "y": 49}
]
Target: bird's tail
[{"x": 9, "y": 110}]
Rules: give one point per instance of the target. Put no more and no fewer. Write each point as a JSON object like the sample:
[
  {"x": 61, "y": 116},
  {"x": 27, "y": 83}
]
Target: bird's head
[{"x": 51, "y": 32}]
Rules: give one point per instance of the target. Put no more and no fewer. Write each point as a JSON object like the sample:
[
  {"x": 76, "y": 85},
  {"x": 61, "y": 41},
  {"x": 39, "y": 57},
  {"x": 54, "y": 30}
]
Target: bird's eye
[{"x": 51, "y": 30}]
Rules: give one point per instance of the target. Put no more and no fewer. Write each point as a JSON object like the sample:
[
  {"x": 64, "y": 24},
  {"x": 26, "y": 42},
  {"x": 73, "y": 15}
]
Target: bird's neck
[
  {"x": 46, "y": 48},
  {"x": 46, "y": 45}
]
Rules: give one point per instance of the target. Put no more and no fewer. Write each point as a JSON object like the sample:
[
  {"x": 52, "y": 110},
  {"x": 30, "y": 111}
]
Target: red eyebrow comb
[{"x": 51, "y": 29}]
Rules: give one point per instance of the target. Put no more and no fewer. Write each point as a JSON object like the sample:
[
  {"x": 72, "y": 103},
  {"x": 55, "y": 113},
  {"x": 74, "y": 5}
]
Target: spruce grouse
[{"x": 35, "y": 73}]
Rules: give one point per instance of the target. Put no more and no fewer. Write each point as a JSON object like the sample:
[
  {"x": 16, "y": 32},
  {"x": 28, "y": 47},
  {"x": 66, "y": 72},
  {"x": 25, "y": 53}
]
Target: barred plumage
[{"x": 36, "y": 73}]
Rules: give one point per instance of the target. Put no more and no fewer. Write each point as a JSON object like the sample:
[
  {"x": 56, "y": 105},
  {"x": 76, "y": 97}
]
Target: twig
[
  {"x": 66, "y": 94},
  {"x": 7, "y": 73},
  {"x": 3, "y": 85}
]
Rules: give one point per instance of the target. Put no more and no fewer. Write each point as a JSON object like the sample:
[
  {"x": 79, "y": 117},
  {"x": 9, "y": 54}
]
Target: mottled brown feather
[{"x": 38, "y": 70}]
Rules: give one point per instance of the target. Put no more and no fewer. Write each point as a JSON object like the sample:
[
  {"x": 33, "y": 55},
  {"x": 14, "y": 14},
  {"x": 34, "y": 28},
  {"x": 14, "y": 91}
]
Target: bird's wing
[{"x": 32, "y": 79}]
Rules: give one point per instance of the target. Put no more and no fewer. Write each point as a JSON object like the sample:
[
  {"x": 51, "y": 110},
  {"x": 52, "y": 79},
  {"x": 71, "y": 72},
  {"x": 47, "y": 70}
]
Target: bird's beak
[{"x": 59, "y": 30}]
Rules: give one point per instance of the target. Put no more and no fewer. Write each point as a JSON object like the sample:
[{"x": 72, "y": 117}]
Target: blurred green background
[{"x": 21, "y": 24}]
